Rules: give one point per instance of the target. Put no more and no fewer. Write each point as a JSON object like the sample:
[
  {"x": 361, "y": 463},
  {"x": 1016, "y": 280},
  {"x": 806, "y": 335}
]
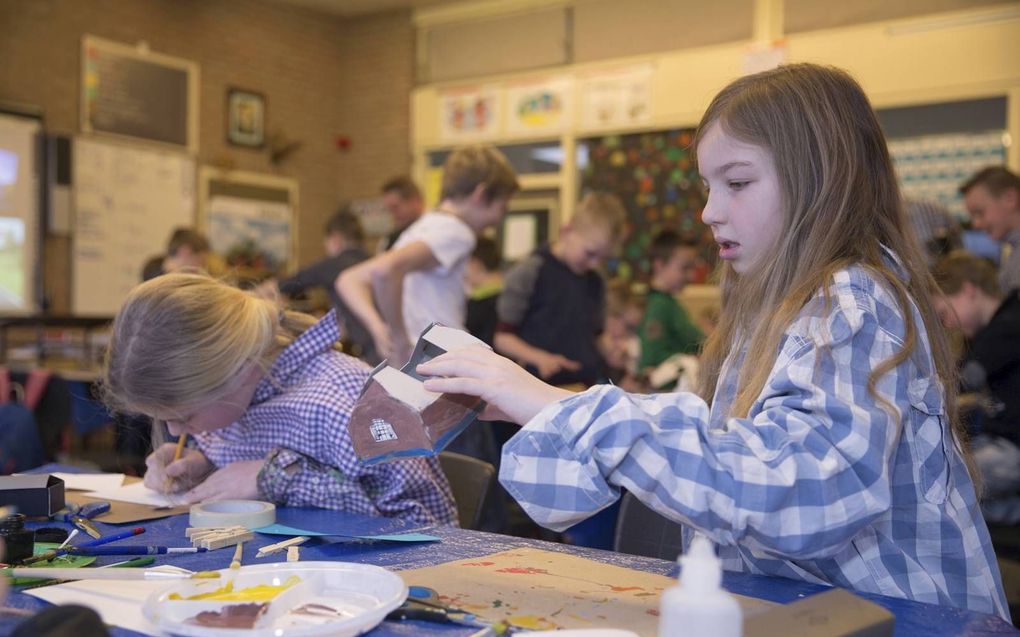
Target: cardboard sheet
[{"x": 536, "y": 589}]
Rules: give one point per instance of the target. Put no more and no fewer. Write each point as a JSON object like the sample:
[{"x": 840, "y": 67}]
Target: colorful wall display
[
  {"x": 933, "y": 167},
  {"x": 615, "y": 98},
  {"x": 539, "y": 106},
  {"x": 655, "y": 175},
  {"x": 469, "y": 113}
]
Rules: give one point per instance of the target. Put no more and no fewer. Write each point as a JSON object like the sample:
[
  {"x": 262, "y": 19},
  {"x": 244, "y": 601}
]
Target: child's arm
[
  {"x": 547, "y": 363},
  {"x": 800, "y": 477},
  {"x": 407, "y": 489},
  {"x": 373, "y": 290}
]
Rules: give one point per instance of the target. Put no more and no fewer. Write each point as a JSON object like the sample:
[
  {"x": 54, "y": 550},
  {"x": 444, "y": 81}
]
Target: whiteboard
[
  {"x": 127, "y": 200},
  {"x": 19, "y": 214}
]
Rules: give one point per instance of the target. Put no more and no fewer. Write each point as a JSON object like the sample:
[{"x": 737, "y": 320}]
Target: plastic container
[
  {"x": 698, "y": 606},
  {"x": 19, "y": 542}
]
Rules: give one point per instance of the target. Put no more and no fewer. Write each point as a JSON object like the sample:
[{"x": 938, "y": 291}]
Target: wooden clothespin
[{"x": 280, "y": 546}]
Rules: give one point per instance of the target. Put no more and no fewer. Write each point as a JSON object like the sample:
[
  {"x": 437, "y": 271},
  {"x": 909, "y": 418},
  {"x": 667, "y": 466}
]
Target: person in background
[
  {"x": 937, "y": 231},
  {"x": 824, "y": 445},
  {"x": 187, "y": 249},
  {"x": 266, "y": 395},
  {"x": 420, "y": 280},
  {"x": 552, "y": 311},
  {"x": 402, "y": 199},
  {"x": 992, "y": 198},
  {"x": 484, "y": 281},
  {"x": 666, "y": 329},
  {"x": 619, "y": 342},
  {"x": 343, "y": 241},
  {"x": 972, "y": 303},
  {"x": 552, "y": 308}
]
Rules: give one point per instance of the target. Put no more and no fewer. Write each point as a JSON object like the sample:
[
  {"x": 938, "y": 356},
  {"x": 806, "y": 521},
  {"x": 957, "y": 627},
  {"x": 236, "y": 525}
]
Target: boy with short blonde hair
[{"x": 553, "y": 304}]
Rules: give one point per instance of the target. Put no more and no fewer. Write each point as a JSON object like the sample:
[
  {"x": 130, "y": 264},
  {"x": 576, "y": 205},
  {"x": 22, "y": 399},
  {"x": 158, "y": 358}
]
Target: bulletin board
[
  {"x": 127, "y": 200},
  {"x": 132, "y": 92},
  {"x": 250, "y": 220},
  {"x": 656, "y": 177}
]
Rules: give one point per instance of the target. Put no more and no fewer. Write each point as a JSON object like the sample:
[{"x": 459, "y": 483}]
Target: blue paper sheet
[{"x": 326, "y": 523}]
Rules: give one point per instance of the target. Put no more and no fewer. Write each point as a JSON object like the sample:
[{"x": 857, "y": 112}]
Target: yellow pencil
[{"x": 181, "y": 441}]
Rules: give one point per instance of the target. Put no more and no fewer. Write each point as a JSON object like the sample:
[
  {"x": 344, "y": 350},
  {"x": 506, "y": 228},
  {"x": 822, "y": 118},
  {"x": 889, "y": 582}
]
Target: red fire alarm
[{"x": 343, "y": 142}]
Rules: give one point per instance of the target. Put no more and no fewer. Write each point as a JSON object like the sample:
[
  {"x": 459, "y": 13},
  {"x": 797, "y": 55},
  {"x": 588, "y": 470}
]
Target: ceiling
[{"x": 349, "y": 8}]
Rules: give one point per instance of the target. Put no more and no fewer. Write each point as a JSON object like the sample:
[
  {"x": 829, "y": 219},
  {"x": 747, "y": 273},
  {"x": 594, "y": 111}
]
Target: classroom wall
[{"x": 322, "y": 76}]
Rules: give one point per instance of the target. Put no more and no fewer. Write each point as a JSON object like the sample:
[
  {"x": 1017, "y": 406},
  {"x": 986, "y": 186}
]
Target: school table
[{"x": 912, "y": 618}]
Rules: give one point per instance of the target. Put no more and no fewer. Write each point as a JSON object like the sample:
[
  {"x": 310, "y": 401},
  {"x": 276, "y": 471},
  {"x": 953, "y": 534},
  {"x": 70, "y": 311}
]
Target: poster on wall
[
  {"x": 539, "y": 106},
  {"x": 252, "y": 236},
  {"x": 617, "y": 97},
  {"x": 469, "y": 113}
]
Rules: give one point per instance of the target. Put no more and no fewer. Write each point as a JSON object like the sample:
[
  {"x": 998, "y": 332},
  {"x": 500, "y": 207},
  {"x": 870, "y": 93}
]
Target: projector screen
[{"x": 19, "y": 213}]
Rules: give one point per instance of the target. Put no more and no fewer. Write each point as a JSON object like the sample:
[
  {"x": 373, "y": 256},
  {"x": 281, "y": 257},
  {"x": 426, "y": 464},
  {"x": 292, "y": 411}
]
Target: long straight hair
[
  {"x": 182, "y": 340},
  {"x": 840, "y": 205}
]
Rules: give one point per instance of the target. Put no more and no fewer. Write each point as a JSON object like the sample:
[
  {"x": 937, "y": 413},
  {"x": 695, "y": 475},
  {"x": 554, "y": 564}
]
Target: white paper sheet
[
  {"x": 135, "y": 492},
  {"x": 90, "y": 481},
  {"x": 118, "y": 602}
]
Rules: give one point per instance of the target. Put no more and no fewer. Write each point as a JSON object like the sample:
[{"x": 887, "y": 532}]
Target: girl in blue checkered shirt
[
  {"x": 824, "y": 444},
  {"x": 266, "y": 395}
]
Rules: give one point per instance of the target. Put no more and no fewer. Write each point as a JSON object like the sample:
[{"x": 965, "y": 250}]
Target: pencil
[{"x": 181, "y": 441}]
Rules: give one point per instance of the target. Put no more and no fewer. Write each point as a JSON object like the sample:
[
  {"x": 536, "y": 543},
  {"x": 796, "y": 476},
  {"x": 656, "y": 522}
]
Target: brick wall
[{"x": 321, "y": 75}]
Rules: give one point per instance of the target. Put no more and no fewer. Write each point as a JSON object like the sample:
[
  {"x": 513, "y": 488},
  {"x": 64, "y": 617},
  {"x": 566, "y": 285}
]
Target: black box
[{"x": 35, "y": 495}]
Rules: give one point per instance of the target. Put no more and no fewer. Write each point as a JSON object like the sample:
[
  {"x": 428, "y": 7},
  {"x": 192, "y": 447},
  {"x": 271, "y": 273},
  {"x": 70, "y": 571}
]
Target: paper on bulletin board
[
  {"x": 251, "y": 233},
  {"x": 616, "y": 97},
  {"x": 469, "y": 113},
  {"x": 544, "y": 590},
  {"x": 519, "y": 232},
  {"x": 539, "y": 106}
]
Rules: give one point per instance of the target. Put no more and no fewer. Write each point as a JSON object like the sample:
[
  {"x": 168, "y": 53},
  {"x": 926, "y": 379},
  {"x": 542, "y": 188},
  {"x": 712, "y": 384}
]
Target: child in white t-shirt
[{"x": 420, "y": 280}]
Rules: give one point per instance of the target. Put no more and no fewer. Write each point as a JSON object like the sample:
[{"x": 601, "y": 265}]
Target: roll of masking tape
[{"x": 251, "y": 514}]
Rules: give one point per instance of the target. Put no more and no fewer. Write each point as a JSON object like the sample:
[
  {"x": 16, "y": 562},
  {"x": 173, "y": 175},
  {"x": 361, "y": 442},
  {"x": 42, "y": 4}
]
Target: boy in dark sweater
[
  {"x": 972, "y": 302},
  {"x": 552, "y": 308}
]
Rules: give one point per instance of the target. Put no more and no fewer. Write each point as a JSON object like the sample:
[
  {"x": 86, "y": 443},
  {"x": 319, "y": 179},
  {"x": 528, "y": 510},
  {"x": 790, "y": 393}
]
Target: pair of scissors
[
  {"x": 80, "y": 515},
  {"x": 423, "y": 604}
]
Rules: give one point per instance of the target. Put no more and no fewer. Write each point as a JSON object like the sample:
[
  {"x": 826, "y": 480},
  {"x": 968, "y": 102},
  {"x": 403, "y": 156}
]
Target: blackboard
[{"x": 135, "y": 93}]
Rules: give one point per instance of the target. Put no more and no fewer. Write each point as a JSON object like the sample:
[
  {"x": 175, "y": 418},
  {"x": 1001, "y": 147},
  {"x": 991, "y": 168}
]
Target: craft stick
[{"x": 279, "y": 546}]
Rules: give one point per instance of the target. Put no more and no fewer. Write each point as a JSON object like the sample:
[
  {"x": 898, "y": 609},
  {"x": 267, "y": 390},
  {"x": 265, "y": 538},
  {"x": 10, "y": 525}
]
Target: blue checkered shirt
[
  {"x": 297, "y": 422},
  {"x": 820, "y": 483}
]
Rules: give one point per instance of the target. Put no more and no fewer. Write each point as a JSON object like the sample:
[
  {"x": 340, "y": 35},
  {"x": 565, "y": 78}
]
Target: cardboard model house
[{"x": 396, "y": 417}]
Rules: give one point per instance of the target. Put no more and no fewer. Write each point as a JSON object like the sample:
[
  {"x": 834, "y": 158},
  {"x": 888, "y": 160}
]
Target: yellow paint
[
  {"x": 260, "y": 593},
  {"x": 531, "y": 622}
]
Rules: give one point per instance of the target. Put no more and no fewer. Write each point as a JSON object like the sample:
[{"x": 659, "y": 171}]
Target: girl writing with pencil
[
  {"x": 824, "y": 444},
  {"x": 266, "y": 394}
]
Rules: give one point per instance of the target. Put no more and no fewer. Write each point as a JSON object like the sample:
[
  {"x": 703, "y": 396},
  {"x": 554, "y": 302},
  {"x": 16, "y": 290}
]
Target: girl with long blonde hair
[
  {"x": 265, "y": 393},
  {"x": 823, "y": 446}
]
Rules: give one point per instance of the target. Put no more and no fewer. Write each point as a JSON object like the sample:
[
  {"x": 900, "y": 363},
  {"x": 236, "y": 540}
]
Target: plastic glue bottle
[{"x": 698, "y": 606}]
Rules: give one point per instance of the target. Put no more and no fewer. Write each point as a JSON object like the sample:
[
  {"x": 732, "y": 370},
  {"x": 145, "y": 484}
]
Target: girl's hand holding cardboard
[
  {"x": 510, "y": 391},
  {"x": 164, "y": 474}
]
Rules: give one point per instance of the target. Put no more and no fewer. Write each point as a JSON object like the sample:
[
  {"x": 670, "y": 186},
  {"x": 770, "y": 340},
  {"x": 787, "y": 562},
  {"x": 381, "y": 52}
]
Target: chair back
[
  {"x": 472, "y": 482},
  {"x": 642, "y": 531}
]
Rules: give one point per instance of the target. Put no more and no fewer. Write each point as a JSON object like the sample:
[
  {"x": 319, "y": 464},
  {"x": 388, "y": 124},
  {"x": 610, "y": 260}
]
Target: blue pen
[{"x": 126, "y": 549}]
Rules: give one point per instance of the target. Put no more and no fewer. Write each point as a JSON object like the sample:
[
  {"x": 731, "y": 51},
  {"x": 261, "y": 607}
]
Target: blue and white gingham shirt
[
  {"x": 819, "y": 483},
  {"x": 297, "y": 422}
]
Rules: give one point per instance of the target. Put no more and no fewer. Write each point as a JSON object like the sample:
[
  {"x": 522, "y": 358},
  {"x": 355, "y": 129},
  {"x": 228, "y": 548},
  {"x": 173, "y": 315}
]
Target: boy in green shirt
[{"x": 666, "y": 329}]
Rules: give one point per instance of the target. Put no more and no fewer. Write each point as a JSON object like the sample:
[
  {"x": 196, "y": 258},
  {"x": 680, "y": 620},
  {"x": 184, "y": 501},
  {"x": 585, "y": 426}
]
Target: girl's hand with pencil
[{"x": 167, "y": 475}]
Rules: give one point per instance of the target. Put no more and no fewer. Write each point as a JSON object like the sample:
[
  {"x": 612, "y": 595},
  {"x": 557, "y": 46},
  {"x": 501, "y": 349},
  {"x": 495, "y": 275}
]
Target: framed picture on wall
[{"x": 246, "y": 118}]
